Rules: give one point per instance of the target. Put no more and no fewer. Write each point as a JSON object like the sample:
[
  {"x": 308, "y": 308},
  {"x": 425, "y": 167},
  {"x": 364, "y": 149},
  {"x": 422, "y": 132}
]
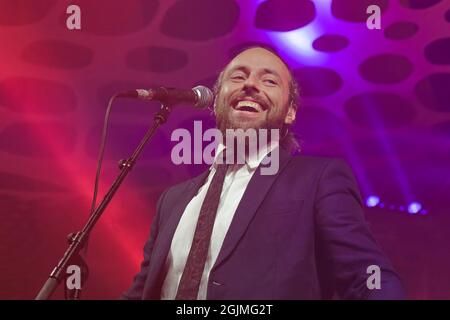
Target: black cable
[
  {"x": 102, "y": 151},
  {"x": 85, "y": 270},
  {"x": 100, "y": 161}
]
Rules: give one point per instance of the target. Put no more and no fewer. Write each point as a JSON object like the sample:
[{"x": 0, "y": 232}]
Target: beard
[{"x": 271, "y": 118}]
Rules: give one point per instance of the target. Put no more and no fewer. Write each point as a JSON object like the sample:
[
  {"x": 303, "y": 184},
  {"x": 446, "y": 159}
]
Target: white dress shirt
[{"x": 236, "y": 181}]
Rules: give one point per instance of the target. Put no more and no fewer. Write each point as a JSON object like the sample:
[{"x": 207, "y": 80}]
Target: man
[{"x": 234, "y": 233}]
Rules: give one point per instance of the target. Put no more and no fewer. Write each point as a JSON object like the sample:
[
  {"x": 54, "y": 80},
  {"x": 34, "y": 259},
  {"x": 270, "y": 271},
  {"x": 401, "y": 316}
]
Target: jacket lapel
[
  {"x": 254, "y": 194},
  {"x": 164, "y": 239}
]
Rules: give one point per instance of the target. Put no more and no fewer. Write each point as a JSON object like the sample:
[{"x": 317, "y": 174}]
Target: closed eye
[{"x": 270, "y": 81}]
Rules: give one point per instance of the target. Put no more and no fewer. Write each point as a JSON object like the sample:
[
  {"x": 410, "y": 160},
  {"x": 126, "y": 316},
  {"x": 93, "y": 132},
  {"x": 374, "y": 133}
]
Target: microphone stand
[{"x": 77, "y": 241}]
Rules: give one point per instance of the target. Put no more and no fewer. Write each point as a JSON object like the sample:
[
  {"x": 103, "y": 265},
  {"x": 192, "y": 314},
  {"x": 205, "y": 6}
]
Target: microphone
[{"x": 200, "y": 96}]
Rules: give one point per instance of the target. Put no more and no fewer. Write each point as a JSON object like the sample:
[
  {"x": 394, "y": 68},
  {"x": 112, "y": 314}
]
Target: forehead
[{"x": 259, "y": 59}]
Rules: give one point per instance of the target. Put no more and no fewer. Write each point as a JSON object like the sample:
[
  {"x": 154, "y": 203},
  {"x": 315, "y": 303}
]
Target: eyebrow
[{"x": 246, "y": 69}]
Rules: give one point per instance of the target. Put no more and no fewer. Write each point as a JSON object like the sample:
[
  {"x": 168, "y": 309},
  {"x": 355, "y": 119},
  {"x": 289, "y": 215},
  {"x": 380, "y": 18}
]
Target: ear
[{"x": 290, "y": 116}]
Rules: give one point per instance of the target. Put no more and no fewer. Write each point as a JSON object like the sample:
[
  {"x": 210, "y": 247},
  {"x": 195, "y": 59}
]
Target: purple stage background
[{"x": 378, "y": 98}]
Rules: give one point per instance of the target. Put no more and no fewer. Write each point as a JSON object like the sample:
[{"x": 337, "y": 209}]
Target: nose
[{"x": 251, "y": 85}]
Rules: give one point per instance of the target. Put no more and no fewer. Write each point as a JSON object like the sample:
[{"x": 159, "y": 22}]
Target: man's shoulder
[
  {"x": 181, "y": 187},
  {"x": 316, "y": 166},
  {"x": 312, "y": 162}
]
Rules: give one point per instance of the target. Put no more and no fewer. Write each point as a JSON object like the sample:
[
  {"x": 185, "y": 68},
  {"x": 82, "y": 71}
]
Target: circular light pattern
[
  {"x": 379, "y": 109},
  {"x": 57, "y": 54},
  {"x": 414, "y": 207},
  {"x": 438, "y": 51},
  {"x": 419, "y": 4},
  {"x": 401, "y": 30},
  {"x": 317, "y": 81},
  {"x": 156, "y": 59},
  {"x": 36, "y": 96},
  {"x": 355, "y": 10},
  {"x": 385, "y": 68},
  {"x": 31, "y": 11},
  {"x": 200, "y": 20},
  {"x": 434, "y": 91},
  {"x": 330, "y": 43},
  {"x": 372, "y": 201},
  {"x": 284, "y": 15}
]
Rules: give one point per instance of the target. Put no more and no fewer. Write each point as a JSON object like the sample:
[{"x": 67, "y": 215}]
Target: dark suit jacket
[{"x": 299, "y": 234}]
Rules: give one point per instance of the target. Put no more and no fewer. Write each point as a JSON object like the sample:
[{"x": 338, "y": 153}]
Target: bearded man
[{"x": 235, "y": 233}]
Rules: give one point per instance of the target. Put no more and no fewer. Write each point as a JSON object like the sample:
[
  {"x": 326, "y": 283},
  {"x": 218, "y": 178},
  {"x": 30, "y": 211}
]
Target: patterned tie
[{"x": 195, "y": 264}]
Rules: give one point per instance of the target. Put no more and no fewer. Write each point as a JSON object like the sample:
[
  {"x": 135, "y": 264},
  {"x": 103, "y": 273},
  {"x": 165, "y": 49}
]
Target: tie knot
[{"x": 230, "y": 156}]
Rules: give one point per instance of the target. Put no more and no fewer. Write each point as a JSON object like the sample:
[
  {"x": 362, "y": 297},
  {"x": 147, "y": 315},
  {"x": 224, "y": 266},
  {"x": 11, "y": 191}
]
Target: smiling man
[
  {"x": 234, "y": 233},
  {"x": 254, "y": 91}
]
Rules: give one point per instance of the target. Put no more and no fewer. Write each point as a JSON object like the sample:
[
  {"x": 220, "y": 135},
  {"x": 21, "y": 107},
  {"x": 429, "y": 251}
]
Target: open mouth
[{"x": 248, "y": 106}]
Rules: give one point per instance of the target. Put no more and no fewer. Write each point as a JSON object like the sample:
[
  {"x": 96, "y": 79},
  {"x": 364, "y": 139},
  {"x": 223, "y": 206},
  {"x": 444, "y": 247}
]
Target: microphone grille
[{"x": 204, "y": 95}]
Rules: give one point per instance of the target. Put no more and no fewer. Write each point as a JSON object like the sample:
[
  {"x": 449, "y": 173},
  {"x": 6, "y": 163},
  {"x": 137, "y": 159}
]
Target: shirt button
[{"x": 217, "y": 283}]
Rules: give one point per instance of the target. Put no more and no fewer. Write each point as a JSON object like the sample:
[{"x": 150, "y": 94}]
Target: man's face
[{"x": 254, "y": 92}]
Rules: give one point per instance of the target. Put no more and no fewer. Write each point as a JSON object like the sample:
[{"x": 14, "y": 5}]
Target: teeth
[{"x": 251, "y": 104}]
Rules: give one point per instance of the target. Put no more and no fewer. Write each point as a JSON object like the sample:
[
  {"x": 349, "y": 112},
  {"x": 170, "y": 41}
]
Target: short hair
[{"x": 288, "y": 140}]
